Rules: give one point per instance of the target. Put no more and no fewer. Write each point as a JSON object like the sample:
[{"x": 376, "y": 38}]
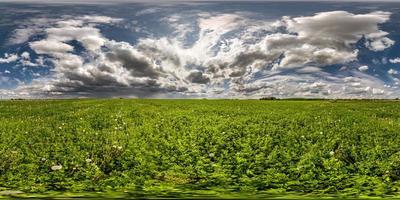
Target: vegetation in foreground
[{"x": 348, "y": 148}]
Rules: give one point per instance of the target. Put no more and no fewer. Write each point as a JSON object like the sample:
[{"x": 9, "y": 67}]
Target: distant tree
[{"x": 268, "y": 98}]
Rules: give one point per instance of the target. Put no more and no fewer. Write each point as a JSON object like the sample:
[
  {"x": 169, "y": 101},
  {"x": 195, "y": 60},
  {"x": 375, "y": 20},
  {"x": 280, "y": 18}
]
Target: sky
[{"x": 199, "y": 49}]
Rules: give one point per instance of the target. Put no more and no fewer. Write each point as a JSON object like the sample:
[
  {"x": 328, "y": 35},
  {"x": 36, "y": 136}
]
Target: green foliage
[{"x": 155, "y": 146}]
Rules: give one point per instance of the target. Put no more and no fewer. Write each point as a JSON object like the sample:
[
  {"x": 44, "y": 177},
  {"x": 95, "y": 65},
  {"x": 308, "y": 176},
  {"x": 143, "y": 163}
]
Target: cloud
[
  {"x": 25, "y": 60},
  {"x": 395, "y": 60},
  {"x": 32, "y": 27},
  {"x": 99, "y": 19},
  {"x": 8, "y": 58},
  {"x": 148, "y": 11},
  {"x": 341, "y": 29},
  {"x": 40, "y": 25},
  {"x": 313, "y": 85},
  {"x": 89, "y": 37},
  {"x": 131, "y": 59},
  {"x": 25, "y": 55},
  {"x": 393, "y": 72},
  {"x": 109, "y": 67},
  {"x": 327, "y": 38},
  {"x": 198, "y": 77},
  {"x": 21, "y": 35},
  {"x": 233, "y": 56},
  {"x": 363, "y": 68},
  {"x": 51, "y": 47}
]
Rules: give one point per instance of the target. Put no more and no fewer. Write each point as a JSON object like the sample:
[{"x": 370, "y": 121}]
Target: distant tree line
[{"x": 268, "y": 98}]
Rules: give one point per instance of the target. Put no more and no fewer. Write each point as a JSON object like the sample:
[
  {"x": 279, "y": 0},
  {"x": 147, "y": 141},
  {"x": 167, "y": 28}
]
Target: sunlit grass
[{"x": 222, "y": 148}]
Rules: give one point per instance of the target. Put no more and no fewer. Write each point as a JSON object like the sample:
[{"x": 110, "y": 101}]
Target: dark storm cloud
[
  {"x": 139, "y": 67},
  {"x": 198, "y": 77}
]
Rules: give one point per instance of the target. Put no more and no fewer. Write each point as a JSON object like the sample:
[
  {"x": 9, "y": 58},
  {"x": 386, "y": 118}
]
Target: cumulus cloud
[
  {"x": 233, "y": 56},
  {"x": 342, "y": 29},
  {"x": 8, "y": 58},
  {"x": 393, "y": 72},
  {"x": 33, "y": 27},
  {"x": 319, "y": 84},
  {"x": 394, "y": 60},
  {"x": 109, "y": 67},
  {"x": 38, "y": 25},
  {"x": 51, "y": 47},
  {"x": 328, "y": 38},
  {"x": 25, "y": 60},
  {"x": 363, "y": 68},
  {"x": 22, "y": 35}
]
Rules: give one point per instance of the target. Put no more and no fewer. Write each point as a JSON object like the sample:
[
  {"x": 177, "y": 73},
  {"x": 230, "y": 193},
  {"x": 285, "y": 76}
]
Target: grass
[{"x": 217, "y": 148}]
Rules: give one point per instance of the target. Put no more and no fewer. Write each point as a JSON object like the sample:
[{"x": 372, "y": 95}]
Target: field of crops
[{"x": 213, "y": 147}]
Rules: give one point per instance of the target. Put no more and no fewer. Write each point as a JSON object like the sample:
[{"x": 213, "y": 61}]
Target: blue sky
[{"x": 189, "y": 49}]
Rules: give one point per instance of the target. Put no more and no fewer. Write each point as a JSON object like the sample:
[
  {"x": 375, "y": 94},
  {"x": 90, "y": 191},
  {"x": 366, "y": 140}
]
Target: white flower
[
  {"x": 88, "y": 160},
  {"x": 332, "y": 153},
  {"x": 56, "y": 167}
]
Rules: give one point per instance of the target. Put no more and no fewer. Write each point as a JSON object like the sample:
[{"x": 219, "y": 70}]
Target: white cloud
[
  {"x": 99, "y": 19},
  {"x": 21, "y": 35},
  {"x": 25, "y": 55},
  {"x": 25, "y": 60},
  {"x": 363, "y": 68},
  {"x": 395, "y": 60},
  {"x": 380, "y": 44},
  {"x": 328, "y": 38},
  {"x": 32, "y": 27},
  {"x": 51, "y": 47},
  {"x": 9, "y": 58},
  {"x": 393, "y": 72},
  {"x": 38, "y": 25},
  {"x": 148, "y": 11},
  {"x": 234, "y": 56}
]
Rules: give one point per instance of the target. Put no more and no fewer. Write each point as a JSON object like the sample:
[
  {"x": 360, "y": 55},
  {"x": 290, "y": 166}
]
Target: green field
[{"x": 200, "y": 147}]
